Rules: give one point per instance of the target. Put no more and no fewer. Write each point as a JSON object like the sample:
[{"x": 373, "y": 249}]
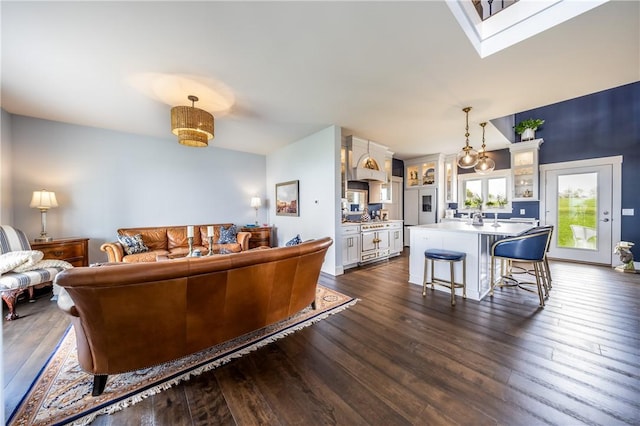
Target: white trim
[
  {"x": 504, "y": 173},
  {"x": 600, "y": 161},
  {"x": 616, "y": 193}
]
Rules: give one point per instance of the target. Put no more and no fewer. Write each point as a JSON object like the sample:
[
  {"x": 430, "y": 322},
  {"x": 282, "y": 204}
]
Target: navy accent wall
[
  {"x": 397, "y": 168},
  {"x": 602, "y": 124}
]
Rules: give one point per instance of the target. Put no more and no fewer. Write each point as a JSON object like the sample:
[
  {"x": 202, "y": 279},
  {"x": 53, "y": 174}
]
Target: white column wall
[{"x": 315, "y": 162}]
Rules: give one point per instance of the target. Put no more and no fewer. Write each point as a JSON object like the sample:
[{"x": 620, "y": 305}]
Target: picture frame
[{"x": 287, "y": 198}]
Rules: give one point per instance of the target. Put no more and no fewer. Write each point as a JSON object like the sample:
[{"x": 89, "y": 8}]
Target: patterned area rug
[{"x": 61, "y": 394}]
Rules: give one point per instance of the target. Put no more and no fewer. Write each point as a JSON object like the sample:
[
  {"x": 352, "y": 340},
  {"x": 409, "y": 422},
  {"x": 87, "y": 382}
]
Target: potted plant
[{"x": 527, "y": 128}]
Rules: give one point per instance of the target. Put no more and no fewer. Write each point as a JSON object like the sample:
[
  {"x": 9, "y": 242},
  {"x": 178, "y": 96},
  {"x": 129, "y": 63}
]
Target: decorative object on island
[
  {"x": 467, "y": 157},
  {"x": 287, "y": 199},
  {"x": 527, "y": 128},
  {"x": 190, "y": 239},
  {"x": 43, "y": 200},
  {"x": 485, "y": 164},
  {"x": 256, "y": 203},
  {"x": 193, "y": 126}
]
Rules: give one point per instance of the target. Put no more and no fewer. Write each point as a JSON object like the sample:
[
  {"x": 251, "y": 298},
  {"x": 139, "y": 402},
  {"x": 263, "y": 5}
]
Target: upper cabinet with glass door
[
  {"x": 450, "y": 179},
  {"x": 380, "y": 192},
  {"x": 423, "y": 171},
  {"x": 524, "y": 170}
]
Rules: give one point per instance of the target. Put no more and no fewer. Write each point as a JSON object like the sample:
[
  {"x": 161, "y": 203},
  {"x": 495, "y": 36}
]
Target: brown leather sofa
[
  {"x": 133, "y": 316},
  {"x": 171, "y": 242}
]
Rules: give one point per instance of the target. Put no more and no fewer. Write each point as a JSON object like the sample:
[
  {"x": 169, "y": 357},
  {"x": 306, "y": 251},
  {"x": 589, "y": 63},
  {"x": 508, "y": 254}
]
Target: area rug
[{"x": 61, "y": 394}]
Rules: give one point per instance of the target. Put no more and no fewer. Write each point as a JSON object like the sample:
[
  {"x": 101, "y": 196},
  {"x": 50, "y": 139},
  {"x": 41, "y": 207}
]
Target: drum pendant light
[{"x": 193, "y": 126}]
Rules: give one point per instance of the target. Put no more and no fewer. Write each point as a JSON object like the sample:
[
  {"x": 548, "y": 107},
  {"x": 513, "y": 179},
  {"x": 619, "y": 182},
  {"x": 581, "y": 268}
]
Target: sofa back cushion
[
  {"x": 177, "y": 237},
  {"x": 153, "y": 238},
  {"x": 12, "y": 239}
]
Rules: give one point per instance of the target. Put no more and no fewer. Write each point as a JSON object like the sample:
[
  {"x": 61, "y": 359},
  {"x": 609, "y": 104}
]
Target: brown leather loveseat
[
  {"x": 171, "y": 241},
  {"x": 133, "y": 316}
]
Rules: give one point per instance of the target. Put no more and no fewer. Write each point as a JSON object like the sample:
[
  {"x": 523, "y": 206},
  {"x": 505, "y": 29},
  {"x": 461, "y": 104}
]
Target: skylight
[{"x": 515, "y": 23}]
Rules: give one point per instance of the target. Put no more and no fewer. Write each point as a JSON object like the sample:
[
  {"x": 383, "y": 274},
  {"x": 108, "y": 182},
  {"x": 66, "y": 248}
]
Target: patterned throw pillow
[
  {"x": 294, "y": 241},
  {"x": 228, "y": 235},
  {"x": 132, "y": 245}
]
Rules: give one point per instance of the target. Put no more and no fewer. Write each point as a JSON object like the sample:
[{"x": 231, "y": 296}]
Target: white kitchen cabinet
[
  {"x": 350, "y": 246},
  {"x": 395, "y": 208},
  {"x": 524, "y": 170},
  {"x": 396, "y": 236}
]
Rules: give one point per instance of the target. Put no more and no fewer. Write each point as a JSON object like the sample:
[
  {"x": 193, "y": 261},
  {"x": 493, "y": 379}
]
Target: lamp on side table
[
  {"x": 256, "y": 203},
  {"x": 43, "y": 200}
]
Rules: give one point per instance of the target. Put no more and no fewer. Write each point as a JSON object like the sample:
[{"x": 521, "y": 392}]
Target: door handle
[{"x": 606, "y": 219}]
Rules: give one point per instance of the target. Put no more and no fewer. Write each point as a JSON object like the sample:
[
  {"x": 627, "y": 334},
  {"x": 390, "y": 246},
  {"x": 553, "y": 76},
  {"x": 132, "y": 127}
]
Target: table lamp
[
  {"x": 43, "y": 200},
  {"x": 256, "y": 203}
]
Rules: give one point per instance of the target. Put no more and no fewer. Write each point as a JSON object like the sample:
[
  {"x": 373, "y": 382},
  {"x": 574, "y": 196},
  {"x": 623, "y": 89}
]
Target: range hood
[
  {"x": 367, "y": 160},
  {"x": 369, "y": 170}
]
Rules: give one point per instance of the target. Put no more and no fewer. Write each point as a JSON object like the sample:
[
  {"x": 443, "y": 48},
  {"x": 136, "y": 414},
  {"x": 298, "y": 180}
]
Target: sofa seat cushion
[
  {"x": 149, "y": 256},
  {"x": 183, "y": 251},
  {"x": 22, "y": 280},
  {"x": 227, "y": 248}
]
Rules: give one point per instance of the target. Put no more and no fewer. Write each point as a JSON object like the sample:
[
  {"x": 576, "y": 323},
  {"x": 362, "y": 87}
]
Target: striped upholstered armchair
[{"x": 22, "y": 268}]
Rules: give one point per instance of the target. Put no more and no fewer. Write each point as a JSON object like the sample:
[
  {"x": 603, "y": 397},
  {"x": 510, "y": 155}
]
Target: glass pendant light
[
  {"x": 467, "y": 157},
  {"x": 485, "y": 164}
]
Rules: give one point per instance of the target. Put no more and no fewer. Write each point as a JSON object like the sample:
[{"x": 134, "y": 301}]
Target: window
[{"x": 485, "y": 192}]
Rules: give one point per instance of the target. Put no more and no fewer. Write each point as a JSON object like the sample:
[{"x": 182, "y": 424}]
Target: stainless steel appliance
[{"x": 420, "y": 208}]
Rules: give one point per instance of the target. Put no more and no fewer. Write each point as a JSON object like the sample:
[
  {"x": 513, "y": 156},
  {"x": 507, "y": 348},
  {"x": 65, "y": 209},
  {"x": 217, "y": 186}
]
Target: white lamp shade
[
  {"x": 43, "y": 200},
  {"x": 256, "y": 202}
]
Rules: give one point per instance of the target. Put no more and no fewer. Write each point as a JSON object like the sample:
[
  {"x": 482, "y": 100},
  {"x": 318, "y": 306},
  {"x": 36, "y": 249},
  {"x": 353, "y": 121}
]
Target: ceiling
[{"x": 397, "y": 73}]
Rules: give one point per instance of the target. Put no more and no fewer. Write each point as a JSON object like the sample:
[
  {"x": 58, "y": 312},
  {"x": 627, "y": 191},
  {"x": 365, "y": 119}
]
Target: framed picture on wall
[{"x": 287, "y": 199}]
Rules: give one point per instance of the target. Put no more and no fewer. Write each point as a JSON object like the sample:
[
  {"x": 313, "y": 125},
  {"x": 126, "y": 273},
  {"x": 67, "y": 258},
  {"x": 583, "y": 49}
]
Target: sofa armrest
[
  {"x": 114, "y": 251},
  {"x": 66, "y": 303},
  {"x": 243, "y": 239}
]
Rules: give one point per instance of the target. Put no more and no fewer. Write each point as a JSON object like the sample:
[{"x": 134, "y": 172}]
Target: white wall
[
  {"x": 105, "y": 180},
  {"x": 315, "y": 162},
  {"x": 6, "y": 216}
]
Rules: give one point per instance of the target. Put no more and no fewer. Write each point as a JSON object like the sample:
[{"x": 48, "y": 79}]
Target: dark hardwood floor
[{"x": 398, "y": 358}]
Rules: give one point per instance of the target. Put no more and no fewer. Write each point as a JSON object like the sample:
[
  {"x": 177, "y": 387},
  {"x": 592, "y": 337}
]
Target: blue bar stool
[{"x": 432, "y": 255}]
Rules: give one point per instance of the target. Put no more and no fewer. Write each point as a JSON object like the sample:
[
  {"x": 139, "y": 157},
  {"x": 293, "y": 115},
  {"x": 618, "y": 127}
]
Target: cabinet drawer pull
[{"x": 58, "y": 253}]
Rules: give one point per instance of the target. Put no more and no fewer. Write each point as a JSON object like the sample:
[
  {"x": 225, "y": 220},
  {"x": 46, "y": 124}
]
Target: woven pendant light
[{"x": 193, "y": 126}]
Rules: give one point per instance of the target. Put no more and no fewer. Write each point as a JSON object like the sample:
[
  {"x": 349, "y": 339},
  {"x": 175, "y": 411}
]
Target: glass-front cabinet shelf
[
  {"x": 450, "y": 179},
  {"x": 423, "y": 171},
  {"x": 524, "y": 170}
]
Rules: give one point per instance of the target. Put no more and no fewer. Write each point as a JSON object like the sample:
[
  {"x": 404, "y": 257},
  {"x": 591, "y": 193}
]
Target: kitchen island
[{"x": 474, "y": 240}]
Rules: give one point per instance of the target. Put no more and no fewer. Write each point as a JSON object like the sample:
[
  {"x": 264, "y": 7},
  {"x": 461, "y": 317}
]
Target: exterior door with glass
[{"x": 578, "y": 202}]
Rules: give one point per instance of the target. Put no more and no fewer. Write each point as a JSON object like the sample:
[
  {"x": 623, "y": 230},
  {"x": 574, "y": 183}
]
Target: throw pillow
[
  {"x": 294, "y": 241},
  {"x": 13, "y": 259},
  {"x": 228, "y": 235},
  {"x": 133, "y": 245},
  {"x": 44, "y": 264}
]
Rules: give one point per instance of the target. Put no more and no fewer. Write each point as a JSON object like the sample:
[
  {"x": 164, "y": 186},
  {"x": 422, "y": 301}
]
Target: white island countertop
[
  {"x": 506, "y": 229},
  {"x": 474, "y": 240}
]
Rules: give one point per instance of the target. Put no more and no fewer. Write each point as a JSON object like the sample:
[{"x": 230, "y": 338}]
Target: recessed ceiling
[{"x": 398, "y": 73}]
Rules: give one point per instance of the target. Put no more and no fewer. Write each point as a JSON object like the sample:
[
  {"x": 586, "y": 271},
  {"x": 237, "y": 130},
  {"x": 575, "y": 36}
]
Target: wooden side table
[
  {"x": 260, "y": 236},
  {"x": 73, "y": 250}
]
